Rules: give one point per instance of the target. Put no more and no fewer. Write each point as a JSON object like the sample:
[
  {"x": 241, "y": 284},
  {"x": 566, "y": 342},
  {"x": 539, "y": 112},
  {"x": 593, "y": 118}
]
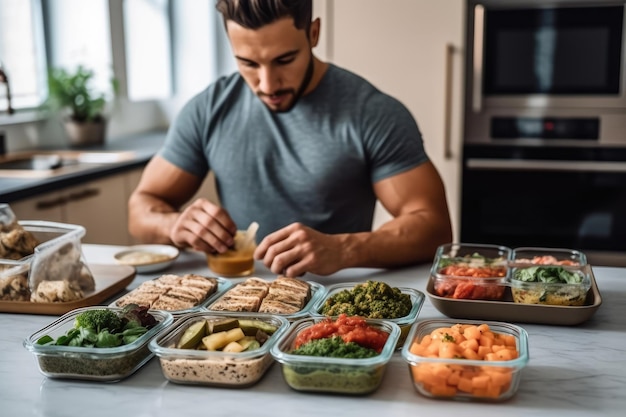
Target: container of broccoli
[
  {"x": 97, "y": 343},
  {"x": 373, "y": 300}
]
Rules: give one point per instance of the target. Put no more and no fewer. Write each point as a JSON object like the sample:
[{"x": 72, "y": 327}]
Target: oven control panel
[{"x": 545, "y": 128}]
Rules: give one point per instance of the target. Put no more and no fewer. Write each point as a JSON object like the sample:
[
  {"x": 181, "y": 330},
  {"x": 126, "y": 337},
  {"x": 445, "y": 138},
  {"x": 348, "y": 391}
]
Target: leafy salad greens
[
  {"x": 105, "y": 328},
  {"x": 547, "y": 274}
]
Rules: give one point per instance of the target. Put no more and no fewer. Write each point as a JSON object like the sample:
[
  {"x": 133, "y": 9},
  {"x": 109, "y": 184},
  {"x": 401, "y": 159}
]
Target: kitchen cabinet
[
  {"x": 412, "y": 50},
  {"x": 100, "y": 206}
]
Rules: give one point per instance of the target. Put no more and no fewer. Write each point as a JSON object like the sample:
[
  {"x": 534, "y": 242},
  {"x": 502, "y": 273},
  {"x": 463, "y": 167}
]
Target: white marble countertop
[{"x": 573, "y": 371}]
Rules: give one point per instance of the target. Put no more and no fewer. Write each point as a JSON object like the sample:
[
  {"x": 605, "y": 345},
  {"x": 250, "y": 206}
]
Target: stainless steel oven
[{"x": 544, "y": 154}]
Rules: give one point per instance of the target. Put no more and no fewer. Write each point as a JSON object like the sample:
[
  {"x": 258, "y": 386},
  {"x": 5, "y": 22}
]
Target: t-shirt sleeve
[
  {"x": 392, "y": 138},
  {"x": 184, "y": 143}
]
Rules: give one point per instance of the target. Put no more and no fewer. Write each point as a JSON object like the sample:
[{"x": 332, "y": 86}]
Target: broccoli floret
[{"x": 98, "y": 320}]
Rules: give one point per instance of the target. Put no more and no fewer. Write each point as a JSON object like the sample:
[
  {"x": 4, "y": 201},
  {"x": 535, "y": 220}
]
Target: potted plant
[{"x": 83, "y": 108}]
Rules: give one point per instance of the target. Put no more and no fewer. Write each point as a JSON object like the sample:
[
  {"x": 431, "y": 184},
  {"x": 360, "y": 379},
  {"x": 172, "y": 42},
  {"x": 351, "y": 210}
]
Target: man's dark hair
[{"x": 254, "y": 14}]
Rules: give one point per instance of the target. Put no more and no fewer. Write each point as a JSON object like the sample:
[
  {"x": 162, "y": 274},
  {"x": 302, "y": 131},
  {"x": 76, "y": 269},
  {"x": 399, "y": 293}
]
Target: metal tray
[
  {"x": 507, "y": 310},
  {"x": 110, "y": 279}
]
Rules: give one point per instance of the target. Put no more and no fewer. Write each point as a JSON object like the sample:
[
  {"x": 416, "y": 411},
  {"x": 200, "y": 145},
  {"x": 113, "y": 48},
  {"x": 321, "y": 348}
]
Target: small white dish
[{"x": 148, "y": 258}]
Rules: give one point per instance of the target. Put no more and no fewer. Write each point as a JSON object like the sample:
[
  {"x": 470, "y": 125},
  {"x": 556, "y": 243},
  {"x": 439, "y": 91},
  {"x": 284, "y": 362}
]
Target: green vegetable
[
  {"x": 475, "y": 260},
  {"x": 334, "y": 347},
  {"x": 547, "y": 274},
  {"x": 104, "y": 328},
  {"x": 98, "y": 320},
  {"x": 372, "y": 299}
]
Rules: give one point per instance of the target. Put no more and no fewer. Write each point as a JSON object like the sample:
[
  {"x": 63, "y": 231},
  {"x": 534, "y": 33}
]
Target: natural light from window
[
  {"x": 148, "y": 49},
  {"x": 80, "y": 35},
  {"x": 22, "y": 53}
]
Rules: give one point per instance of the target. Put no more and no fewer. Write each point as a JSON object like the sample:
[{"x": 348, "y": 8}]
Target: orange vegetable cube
[
  {"x": 480, "y": 381},
  {"x": 485, "y": 340},
  {"x": 483, "y": 351},
  {"x": 453, "y": 378},
  {"x": 443, "y": 390},
  {"x": 469, "y": 344},
  {"x": 483, "y": 328},
  {"x": 465, "y": 384},
  {"x": 472, "y": 332},
  {"x": 447, "y": 350},
  {"x": 470, "y": 354}
]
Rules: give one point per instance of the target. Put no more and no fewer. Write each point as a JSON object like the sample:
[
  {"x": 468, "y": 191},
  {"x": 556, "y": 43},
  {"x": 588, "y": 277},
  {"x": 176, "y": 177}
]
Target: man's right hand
[{"x": 205, "y": 227}]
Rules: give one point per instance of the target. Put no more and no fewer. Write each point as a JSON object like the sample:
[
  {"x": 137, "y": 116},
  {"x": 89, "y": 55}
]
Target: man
[{"x": 300, "y": 146}]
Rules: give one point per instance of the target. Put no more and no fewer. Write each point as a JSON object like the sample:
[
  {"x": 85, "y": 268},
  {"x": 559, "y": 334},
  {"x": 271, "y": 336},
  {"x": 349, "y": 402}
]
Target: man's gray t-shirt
[{"x": 314, "y": 164}]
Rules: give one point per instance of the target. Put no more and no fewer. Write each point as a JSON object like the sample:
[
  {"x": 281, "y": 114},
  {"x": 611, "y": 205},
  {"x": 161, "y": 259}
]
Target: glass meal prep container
[
  {"x": 91, "y": 363},
  {"x": 471, "y": 271},
  {"x": 215, "y": 367},
  {"x": 447, "y": 361},
  {"x": 549, "y": 276},
  {"x": 333, "y": 375},
  {"x": 404, "y": 322},
  {"x": 223, "y": 285}
]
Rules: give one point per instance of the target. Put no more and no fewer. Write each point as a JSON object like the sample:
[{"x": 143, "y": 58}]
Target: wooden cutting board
[{"x": 110, "y": 280}]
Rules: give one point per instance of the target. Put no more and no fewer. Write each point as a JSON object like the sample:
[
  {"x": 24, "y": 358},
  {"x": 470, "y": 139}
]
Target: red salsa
[{"x": 349, "y": 328}]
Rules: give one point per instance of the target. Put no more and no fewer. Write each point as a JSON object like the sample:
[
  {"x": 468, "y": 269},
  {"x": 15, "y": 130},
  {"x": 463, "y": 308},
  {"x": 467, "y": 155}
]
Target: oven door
[{"x": 547, "y": 197}]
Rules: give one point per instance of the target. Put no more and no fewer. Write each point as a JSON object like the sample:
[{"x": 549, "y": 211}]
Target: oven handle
[
  {"x": 546, "y": 165},
  {"x": 477, "y": 64},
  {"x": 447, "y": 112}
]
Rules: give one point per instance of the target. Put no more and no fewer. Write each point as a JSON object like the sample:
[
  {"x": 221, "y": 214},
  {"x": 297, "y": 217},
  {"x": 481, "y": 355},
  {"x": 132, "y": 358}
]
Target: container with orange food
[
  {"x": 466, "y": 360},
  {"x": 471, "y": 271}
]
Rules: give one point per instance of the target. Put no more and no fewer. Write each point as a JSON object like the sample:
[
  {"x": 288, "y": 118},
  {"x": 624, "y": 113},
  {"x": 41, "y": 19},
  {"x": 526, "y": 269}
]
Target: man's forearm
[
  {"x": 150, "y": 220},
  {"x": 405, "y": 240}
]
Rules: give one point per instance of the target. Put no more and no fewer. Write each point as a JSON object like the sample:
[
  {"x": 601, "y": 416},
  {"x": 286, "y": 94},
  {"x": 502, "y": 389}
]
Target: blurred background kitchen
[{"x": 521, "y": 103}]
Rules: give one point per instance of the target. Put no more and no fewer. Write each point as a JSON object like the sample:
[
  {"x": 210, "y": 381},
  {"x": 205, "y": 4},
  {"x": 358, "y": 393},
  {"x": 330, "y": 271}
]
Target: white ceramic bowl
[{"x": 148, "y": 258}]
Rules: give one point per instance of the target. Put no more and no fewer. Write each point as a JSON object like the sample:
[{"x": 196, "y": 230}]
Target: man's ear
[{"x": 314, "y": 32}]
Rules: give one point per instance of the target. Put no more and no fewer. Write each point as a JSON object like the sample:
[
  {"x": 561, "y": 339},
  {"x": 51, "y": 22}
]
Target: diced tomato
[{"x": 350, "y": 328}]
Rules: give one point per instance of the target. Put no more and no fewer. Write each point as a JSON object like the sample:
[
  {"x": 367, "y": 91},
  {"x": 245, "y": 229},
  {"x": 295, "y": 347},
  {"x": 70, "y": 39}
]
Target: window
[
  {"x": 79, "y": 34},
  {"x": 22, "y": 54},
  {"x": 155, "y": 48},
  {"x": 148, "y": 52}
]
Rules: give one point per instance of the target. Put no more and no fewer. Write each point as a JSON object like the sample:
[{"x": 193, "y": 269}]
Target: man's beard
[{"x": 308, "y": 75}]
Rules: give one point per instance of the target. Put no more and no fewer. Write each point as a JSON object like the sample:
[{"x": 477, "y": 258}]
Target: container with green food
[
  {"x": 108, "y": 364},
  {"x": 549, "y": 276},
  {"x": 372, "y": 299},
  {"x": 357, "y": 375}
]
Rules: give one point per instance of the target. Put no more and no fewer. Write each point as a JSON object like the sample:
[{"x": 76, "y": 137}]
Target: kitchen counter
[
  {"x": 573, "y": 371},
  {"x": 143, "y": 145}
]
